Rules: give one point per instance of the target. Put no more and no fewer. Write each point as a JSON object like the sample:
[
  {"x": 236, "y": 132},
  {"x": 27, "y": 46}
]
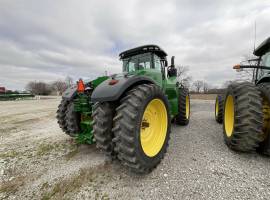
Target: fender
[
  {"x": 70, "y": 92},
  {"x": 106, "y": 92}
]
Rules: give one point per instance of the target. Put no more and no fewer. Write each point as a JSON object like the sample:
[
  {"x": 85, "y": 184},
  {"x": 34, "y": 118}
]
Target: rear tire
[
  {"x": 219, "y": 108},
  {"x": 72, "y": 119},
  {"x": 67, "y": 119},
  {"x": 134, "y": 124},
  {"x": 102, "y": 126},
  {"x": 61, "y": 113},
  {"x": 243, "y": 118},
  {"x": 183, "y": 116},
  {"x": 265, "y": 93}
]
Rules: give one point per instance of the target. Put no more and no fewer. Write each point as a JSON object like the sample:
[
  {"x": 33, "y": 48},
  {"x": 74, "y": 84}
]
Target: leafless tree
[
  {"x": 183, "y": 76},
  {"x": 38, "y": 88},
  {"x": 198, "y": 85},
  {"x": 59, "y": 86}
]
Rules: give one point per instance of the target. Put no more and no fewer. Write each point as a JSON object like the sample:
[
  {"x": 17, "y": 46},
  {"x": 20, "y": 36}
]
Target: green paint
[{"x": 83, "y": 105}]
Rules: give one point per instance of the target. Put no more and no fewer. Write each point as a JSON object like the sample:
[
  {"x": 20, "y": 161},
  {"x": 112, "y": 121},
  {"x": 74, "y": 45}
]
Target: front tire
[
  {"x": 142, "y": 128},
  {"x": 243, "y": 119},
  {"x": 219, "y": 109},
  {"x": 183, "y": 116}
]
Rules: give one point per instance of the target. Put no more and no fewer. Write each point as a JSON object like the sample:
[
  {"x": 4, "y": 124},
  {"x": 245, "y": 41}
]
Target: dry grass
[
  {"x": 45, "y": 149},
  {"x": 204, "y": 96},
  {"x": 87, "y": 175},
  {"x": 9, "y": 154},
  {"x": 10, "y": 187}
]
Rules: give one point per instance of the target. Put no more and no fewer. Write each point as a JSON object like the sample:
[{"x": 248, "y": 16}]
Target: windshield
[{"x": 135, "y": 63}]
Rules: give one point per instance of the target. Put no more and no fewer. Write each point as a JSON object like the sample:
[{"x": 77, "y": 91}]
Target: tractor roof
[
  {"x": 143, "y": 49},
  {"x": 262, "y": 48}
]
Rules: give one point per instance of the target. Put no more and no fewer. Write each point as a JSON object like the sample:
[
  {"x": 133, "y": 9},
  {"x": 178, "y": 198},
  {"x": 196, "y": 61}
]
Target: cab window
[
  {"x": 264, "y": 62},
  {"x": 144, "y": 63},
  {"x": 157, "y": 62}
]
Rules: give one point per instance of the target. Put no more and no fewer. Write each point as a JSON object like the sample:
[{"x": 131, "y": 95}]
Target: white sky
[{"x": 48, "y": 40}]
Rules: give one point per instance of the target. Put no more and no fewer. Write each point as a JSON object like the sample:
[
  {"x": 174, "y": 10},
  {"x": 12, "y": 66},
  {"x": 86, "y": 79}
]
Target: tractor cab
[
  {"x": 263, "y": 52},
  {"x": 147, "y": 58},
  {"x": 260, "y": 64}
]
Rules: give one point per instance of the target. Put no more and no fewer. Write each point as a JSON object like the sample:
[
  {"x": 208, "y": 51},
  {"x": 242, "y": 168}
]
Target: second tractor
[{"x": 244, "y": 109}]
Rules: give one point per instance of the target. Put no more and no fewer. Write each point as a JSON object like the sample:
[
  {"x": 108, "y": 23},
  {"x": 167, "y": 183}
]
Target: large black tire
[
  {"x": 129, "y": 125},
  {"x": 243, "y": 118},
  {"x": 102, "y": 126},
  {"x": 182, "y": 118},
  {"x": 68, "y": 120},
  {"x": 265, "y": 93},
  {"x": 72, "y": 120},
  {"x": 61, "y": 113},
  {"x": 219, "y": 108}
]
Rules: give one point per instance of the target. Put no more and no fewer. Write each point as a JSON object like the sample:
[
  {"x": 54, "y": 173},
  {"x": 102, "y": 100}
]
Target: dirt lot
[
  {"x": 38, "y": 161},
  {"x": 204, "y": 96}
]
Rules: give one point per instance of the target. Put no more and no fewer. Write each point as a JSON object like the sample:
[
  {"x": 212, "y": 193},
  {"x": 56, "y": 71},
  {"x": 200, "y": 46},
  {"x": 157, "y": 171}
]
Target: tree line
[
  {"x": 183, "y": 77},
  {"x": 53, "y": 88}
]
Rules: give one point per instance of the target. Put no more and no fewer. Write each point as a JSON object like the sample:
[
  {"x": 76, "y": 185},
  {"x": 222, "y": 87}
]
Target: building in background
[{"x": 2, "y": 90}]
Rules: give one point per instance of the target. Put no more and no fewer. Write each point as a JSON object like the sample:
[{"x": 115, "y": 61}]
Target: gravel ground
[{"x": 38, "y": 161}]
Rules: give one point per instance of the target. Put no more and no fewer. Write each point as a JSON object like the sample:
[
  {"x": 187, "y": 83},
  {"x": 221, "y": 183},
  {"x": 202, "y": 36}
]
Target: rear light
[
  {"x": 113, "y": 82},
  {"x": 80, "y": 86}
]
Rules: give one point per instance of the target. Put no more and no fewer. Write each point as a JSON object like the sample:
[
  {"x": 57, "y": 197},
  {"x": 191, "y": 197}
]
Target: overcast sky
[{"x": 48, "y": 40}]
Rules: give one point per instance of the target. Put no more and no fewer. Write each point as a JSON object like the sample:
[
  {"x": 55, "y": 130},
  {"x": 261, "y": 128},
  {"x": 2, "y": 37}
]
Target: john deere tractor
[
  {"x": 244, "y": 109},
  {"x": 129, "y": 114}
]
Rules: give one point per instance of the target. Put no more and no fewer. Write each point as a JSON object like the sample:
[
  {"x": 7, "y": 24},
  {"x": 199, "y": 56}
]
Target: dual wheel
[
  {"x": 246, "y": 117},
  {"x": 137, "y": 129},
  {"x": 67, "y": 118}
]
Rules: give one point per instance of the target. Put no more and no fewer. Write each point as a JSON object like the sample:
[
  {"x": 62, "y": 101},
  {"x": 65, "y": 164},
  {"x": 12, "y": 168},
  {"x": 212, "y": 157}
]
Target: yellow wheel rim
[
  {"x": 154, "y": 127},
  {"x": 229, "y": 116},
  {"x": 217, "y": 108},
  {"x": 187, "y": 107}
]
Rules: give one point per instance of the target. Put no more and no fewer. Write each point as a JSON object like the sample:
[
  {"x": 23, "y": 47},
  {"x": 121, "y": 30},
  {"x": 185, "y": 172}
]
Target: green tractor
[
  {"x": 244, "y": 108},
  {"x": 129, "y": 114}
]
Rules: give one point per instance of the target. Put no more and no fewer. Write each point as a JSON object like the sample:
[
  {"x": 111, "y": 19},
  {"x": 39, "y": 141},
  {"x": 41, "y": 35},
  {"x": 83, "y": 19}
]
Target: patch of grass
[
  {"x": 44, "y": 149},
  {"x": 10, "y": 187},
  {"x": 9, "y": 154},
  {"x": 87, "y": 175},
  {"x": 72, "y": 153}
]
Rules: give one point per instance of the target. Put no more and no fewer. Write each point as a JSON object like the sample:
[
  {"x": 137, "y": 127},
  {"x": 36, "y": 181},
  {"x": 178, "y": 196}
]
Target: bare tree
[
  {"x": 198, "y": 85},
  {"x": 183, "y": 76},
  {"x": 38, "y": 88},
  {"x": 59, "y": 86}
]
